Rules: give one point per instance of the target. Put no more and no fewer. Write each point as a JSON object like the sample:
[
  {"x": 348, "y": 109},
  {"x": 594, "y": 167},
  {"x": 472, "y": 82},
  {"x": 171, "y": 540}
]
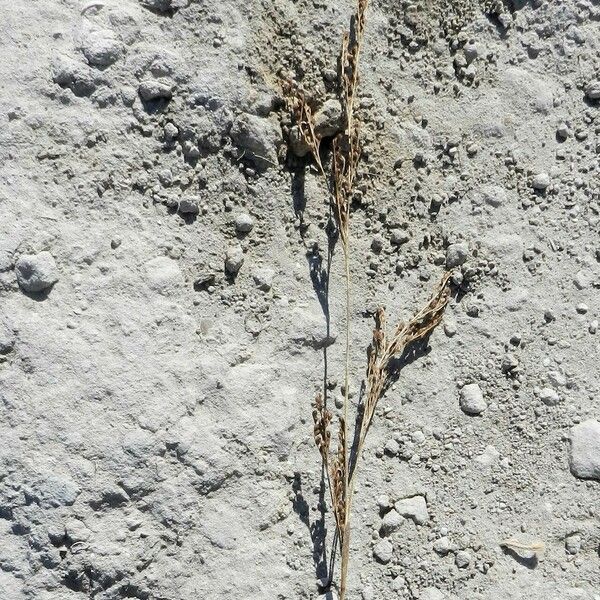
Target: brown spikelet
[
  {"x": 381, "y": 352},
  {"x": 339, "y": 479},
  {"x": 303, "y": 117},
  {"x": 322, "y": 419},
  {"x": 424, "y": 322},
  {"x": 341, "y": 191},
  {"x": 346, "y": 145}
]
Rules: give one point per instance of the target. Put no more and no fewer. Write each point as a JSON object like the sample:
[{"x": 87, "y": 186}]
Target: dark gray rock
[{"x": 456, "y": 255}]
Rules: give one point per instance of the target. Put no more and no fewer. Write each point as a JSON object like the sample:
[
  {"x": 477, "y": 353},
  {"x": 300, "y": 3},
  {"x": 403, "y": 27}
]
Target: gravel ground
[{"x": 164, "y": 289}]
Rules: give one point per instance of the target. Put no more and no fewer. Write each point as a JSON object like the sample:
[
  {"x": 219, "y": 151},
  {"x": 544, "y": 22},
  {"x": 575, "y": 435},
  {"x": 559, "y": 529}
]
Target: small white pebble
[
  {"x": 541, "y": 181},
  {"x": 471, "y": 399},
  {"x": 414, "y": 508},
  {"x": 391, "y": 522},
  {"x": 244, "y": 223},
  {"x": 549, "y": 397},
  {"x": 450, "y": 328},
  {"x": 383, "y": 551},
  {"x": 462, "y": 559},
  {"x": 391, "y": 447},
  {"x": 234, "y": 259},
  {"x": 584, "y": 454},
  {"x": 442, "y": 546},
  {"x": 383, "y": 502}
]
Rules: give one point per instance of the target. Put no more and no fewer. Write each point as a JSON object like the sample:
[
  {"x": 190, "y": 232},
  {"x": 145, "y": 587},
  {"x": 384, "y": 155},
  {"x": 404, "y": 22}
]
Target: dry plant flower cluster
[{"x": 340, "y": 468}]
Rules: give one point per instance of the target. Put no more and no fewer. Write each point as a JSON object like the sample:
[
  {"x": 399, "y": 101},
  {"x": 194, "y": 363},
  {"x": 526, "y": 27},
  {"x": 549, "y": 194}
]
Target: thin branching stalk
[
  {"x": 346, "y": 154},
  {"x": 384, "y": 349}
]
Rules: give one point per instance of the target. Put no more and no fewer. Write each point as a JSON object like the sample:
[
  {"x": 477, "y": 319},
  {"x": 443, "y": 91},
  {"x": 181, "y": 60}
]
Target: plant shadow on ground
[
  {"x": 412, "y": 352},
  {"x": 530, "y": 562},
  {"x": 319, "y": 269}
]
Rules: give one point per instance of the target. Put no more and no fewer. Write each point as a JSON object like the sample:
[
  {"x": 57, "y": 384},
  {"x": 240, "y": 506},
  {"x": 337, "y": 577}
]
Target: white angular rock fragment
[
  {"x": 414, "y": 508},
  {"x": 36, "y": 272},
  {"x": 584, "y": 455},
  {"x": 383, "y": 551},
  {"x": 391, "y": 447},
  {"x": 456, "y": 255},
  {"x": 471, "y": 399},
  {"x": 391, "y": 522},
  {"x": 471, "y": 72},
  {"x": 244, "y": 223},
  {"x": 101, "y": 48},
  {"x": 450, "y": 328},
  {"x": 258, "y": 138},
  {"x": 509, "y": 363},
  {"x": 489, "y": 456},
  {"x": 418, "y": 437},
  {"x": 556, "y": 378},
  {"x": 263, "y": 278},
  {"x": 462, "y": 559},
  {"x": 234, "y": 259},
  {"x": 549, "y": 397},
  {"x": 170, "y": 131},
  {"x": 443, "y": 546},
  {"x": 563, "y": 131},
  {"x": 592, "y": 90},
  {"x": 328, "y": 119},
  {"x": 155, "y": 89},
  {"x": 541, "y": 181},
  {"x": 77, "y": 530}
]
